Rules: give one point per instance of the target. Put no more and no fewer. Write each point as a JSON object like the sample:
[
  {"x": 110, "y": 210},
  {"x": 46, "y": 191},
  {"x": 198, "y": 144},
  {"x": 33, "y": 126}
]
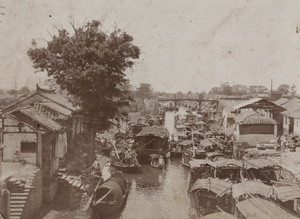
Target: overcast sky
[{"x": 186, "y": 45}]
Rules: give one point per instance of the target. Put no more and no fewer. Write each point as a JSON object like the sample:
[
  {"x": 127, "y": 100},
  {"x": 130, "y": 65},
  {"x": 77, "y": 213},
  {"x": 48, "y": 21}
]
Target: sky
[{"x": 186, "y": 45}]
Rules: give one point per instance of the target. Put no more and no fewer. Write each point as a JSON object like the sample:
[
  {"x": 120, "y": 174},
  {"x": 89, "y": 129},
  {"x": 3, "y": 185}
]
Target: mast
[{"x": 193, "y": 143}]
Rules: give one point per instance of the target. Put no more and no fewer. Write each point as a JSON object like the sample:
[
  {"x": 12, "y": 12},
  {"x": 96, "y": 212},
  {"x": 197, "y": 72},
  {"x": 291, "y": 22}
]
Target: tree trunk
[{"x": 91, "y": 146}]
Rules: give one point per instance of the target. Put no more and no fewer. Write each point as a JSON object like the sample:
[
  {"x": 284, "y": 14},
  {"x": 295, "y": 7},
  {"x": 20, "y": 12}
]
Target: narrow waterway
[
  {"x": 155, "y": 193},
  {"x": 159, "y": 193}
]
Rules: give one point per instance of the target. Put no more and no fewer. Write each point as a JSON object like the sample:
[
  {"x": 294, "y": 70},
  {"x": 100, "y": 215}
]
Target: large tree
[
  {"x": 90, "y": 64},
  {"x": 144, "y": 91},
  {"x": 254, "y": 89},
  {"x": 283, "y": 89},
  {"x": 239, "y": 89}
]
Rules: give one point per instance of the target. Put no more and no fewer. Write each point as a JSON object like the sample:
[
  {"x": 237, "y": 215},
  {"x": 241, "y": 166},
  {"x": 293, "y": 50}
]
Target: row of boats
[
  {"x": 246, "y": 188},
  {"x": 219, "y": 186},
  {"x": 223, "y": 184}
]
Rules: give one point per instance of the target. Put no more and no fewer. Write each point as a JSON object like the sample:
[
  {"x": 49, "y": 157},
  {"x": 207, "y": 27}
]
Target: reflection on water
[{"x": 161, "y": 194}]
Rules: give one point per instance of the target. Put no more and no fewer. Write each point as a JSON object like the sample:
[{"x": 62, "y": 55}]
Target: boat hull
[
  {"x": 127, "y": 168},
  {"x": 109, "y": 197}
]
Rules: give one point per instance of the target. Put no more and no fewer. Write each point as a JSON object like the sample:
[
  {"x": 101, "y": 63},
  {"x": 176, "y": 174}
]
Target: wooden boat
[
  {"x": 109, "y": 197},
  {"x": 268, "y": 171},
  {"x": 284, "y": 195},
  {"x": 224, "y": 169},
  {"x": 157, "y": 161},
  {"x": 125, "y": 167},
  {"x": 188, "y": 156},
  {"x": 206, "y": 194},
  {"x": 124, "y": 164},
  {"x": 152, "y": 140}
]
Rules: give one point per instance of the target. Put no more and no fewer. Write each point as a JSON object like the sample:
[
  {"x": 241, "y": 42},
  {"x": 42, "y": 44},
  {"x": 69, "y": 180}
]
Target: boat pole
[
  {"x": 115, "y": 149},
  {"x": 88, "y": 203},
  {"x": 193, "y": 143}
]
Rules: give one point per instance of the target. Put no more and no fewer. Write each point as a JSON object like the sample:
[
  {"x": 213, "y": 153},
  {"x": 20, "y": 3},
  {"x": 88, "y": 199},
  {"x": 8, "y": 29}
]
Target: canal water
[{"x": 155, "y": 193}]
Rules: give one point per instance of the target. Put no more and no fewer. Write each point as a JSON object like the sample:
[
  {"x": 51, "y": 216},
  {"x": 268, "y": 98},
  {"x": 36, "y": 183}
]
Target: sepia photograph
[{"x": 149, "y": 109}]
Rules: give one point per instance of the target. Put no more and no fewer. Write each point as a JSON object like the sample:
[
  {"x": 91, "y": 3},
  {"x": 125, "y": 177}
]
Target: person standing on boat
[
  {"x": 283, "y": 143},
  {"x": 161, "y": 161},
  {"x": 96, "y": 167}
]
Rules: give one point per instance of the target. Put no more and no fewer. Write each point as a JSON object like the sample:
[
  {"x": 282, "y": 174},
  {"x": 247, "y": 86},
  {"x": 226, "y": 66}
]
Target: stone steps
[
  {"x": 72, "y": 181},
  {"x": 19, "y": 194},
  {"x": 13, "y": 202},
  {"x": 15, "y": 217},
  {"x": 20, "y": 189},
  {"x": 17, "y": 206},
  {"x": 15, "y": 214}
]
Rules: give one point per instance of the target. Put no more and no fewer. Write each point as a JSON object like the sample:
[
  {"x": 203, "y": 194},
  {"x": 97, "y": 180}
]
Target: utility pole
[
  {"x": 271, "y": 89},
  {"x": 15, "y": 87}
]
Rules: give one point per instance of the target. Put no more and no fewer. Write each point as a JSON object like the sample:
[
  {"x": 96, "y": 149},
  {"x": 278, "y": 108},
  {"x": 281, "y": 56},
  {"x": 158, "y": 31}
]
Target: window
[{"x": 28, "y": 147}]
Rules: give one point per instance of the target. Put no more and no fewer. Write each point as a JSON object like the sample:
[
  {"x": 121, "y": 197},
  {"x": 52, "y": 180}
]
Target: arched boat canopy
[
  {"x": 219, "y": 215},
  {"x": 251, "y": 187},
  {"x": 287, "y": 192},
  {"x": 217, "y": 186},
  {"x": 258, "y": 208}
]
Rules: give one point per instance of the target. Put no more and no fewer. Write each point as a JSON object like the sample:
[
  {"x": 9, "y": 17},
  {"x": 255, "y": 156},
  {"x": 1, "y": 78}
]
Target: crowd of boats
[{"x": 222, "y": 182}]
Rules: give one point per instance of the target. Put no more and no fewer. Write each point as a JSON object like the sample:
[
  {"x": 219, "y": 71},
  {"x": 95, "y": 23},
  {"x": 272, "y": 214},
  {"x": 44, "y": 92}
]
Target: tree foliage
[
  {"x": 237, "y": 89},
  {"x": 283, "y": 89},
  {"x": 23, "y": 90},
  {"x": 90, "y": 65},
  {"x": 144, "y": 91}
]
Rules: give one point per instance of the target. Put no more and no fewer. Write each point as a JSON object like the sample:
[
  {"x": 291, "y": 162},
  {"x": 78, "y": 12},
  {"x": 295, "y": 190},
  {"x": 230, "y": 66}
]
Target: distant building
[
  {"x": 151, "y": 105},
  {"x": 225, "y": 108},
  {"x": 253, "y": 127},
  {"x": 290, "y": 117}
]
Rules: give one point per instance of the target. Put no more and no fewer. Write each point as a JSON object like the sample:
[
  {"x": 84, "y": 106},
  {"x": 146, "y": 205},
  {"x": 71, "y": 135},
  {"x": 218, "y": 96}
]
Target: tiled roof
[
  {"x": 251, "y": 117},
  {"x": 7, "y": 101},
  {"x": 48, "y": 112},
  {"x": 59, "y": 99},
  {"x": 248, "y": 102},
  {"x": 55, "y": 108},
  {"x": 40, "y": 118},
  {"x": 230, "y": 103},
  {"x": 294, "y": 114},
  {"x": 281, "y": 101},
  {"x": 291, "y": 103},
  {"x": 292, "y": 106}
]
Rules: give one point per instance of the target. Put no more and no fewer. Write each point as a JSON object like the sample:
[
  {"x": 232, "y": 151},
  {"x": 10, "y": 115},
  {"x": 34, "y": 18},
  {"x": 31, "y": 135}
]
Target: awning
[
  {"x": 258, "y": 208},
  {"x": 259, "y": 163},
  {"x": 287, "y": 193},
  {"x": 251, "y": 187},
  {"x": 219, "y": 215},
  {"x": 217, "y": 186}
]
